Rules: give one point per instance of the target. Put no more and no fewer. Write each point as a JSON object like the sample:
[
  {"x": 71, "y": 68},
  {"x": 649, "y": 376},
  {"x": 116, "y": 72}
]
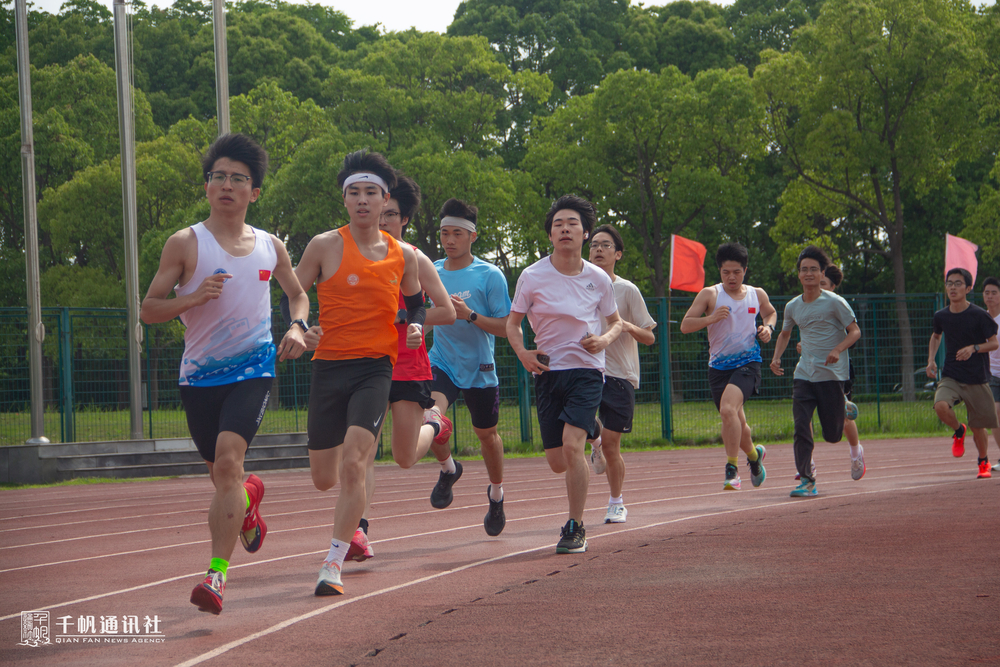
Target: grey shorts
[
  {"x": 977, "y": 397},
  {"x": 995, "y": 388}
]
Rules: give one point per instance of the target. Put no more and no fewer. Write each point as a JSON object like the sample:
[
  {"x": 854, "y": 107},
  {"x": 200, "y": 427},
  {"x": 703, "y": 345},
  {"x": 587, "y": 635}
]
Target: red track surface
[{"x": 902, "y": 567}]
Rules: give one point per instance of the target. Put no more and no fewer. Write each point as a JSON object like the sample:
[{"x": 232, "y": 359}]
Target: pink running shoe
[
  {"x": 253, "y": 523},
  {"x": 360, "y": 550},
  {"x": 208, "y": 594},
  {"x": 445, "y": 427}
]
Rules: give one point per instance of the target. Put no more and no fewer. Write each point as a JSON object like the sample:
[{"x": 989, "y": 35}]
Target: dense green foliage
[{"x": 869, "y": 126}]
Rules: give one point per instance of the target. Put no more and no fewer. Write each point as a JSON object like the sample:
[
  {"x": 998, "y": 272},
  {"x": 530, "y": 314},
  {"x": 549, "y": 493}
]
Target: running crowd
[{"x": 369, "y": 355}]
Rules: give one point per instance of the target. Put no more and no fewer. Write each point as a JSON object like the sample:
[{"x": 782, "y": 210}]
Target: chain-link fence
[{"x": 85, "y": 380}]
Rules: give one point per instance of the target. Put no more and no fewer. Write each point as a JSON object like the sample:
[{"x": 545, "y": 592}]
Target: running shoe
[
  {"x": 329, "y": 580},
  {"x": 958, "y": 442},
  {"x": 806, "y": 489},
  {"x": 858, "y": 465},
  {"x": 208, "y": 594},
  {"x": 850, "y": 410},
  {"x": 984, "y": 470},
  {"x": 757, "y": 472},
  {"x": 360, "y": 550},
  {"x": 812, "y": 469},
  {"x": 573, "y": 538},
  {"x": 597, "y": 457},
  {"x": 616, "y": 513},
  {"x": 732, "y": 482},
  {"x": 253, "y": 523},
  {"x": 495, "y": 519},
  {"x": 441, "y": 496},
  {"x": 445, "y": 427},
  {"x": 996, "y": 467}
]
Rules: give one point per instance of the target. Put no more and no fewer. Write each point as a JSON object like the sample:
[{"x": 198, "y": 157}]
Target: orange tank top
[{"x": 358, "y": 304}]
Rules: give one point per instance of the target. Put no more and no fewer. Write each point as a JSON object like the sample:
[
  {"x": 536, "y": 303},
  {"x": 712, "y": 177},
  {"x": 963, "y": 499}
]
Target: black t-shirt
[{"x": 972, "y": 326}]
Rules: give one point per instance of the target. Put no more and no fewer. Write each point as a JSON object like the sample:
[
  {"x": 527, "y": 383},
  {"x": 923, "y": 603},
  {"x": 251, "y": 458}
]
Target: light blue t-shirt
[{"x": 463, "y": 350}]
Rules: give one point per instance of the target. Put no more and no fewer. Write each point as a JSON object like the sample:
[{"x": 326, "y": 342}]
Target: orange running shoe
[
  {"x": 360, "y": 550},
  {"x": 253, "y": 523},
  {"x": 445, "y": 426},
  {"x": 958, "y": 442},
  {"x": 208, "y": 594},
  {"x": 984, "y": 470}
]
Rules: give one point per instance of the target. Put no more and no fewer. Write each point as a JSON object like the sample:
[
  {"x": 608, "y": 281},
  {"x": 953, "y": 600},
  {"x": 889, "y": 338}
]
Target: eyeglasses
[
  {"x": 603, "y": 246},
  {"x": 219, "y": 178},
  {"x": 955, "y": 283},
  {"x": 390, "y": 215}
]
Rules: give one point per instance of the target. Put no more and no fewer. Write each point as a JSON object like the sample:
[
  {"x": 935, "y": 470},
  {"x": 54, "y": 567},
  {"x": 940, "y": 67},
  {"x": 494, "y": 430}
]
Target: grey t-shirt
[{"x": 822, "y": 326}]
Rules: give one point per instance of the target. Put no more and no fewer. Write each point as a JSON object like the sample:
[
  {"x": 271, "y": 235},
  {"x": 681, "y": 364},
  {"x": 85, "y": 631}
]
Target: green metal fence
[{"x": 86, "y": 384}]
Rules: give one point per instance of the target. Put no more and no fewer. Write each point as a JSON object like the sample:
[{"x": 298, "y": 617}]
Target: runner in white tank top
[{"x": 729, "y": 311}]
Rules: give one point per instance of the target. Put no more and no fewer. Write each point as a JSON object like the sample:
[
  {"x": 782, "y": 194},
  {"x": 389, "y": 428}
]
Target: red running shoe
[
  {"x": 958, "y": 442},
  {"x": 253, "y": 523},
  {"x": 445, "y": 426},
  {"x": 360, "y": 550},
  {"x": 208, "y": 594},
  {"x": 984, "y": 470}
]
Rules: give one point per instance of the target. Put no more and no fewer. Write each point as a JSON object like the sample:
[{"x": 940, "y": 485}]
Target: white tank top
[
  {"x": 733, "y": 341},
  {"x": 229, "y": 339}
]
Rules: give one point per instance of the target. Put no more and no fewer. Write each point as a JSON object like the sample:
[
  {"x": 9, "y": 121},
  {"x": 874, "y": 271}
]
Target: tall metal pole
[
  {"x": 221, "y": 65},
  {"x": 126, "y": 128},
  {"x": 36, "y": 330}
]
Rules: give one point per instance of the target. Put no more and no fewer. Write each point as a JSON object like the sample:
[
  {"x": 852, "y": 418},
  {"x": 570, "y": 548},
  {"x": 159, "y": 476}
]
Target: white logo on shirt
[
  {"x": 352, "y": 279},
  {"x": 463, "y": 295}
]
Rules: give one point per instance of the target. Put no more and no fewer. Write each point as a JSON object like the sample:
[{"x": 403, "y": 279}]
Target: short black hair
[
  {"x": 365, "y": 161},
  {"x": 732, "y": 252},
  {"x": 834, "y": 274},
  {"x": 964, "y": 273},
  {"x": 458, "y": 209},
  {"x": 237, "y": 147},
  {"x": 613, "y": 233},
  {"x": 812, "y": 252},
  {"x": 588, "y": 215},
  {"x": 991, "y": 281},
  {"x": 407, "y": 195}
]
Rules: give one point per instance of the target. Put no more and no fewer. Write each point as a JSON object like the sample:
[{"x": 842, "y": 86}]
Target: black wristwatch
[
  {"x": 301, "y": 323},
  {"x": 472, "y": 317},
  {"x": 770, "y": 326}
]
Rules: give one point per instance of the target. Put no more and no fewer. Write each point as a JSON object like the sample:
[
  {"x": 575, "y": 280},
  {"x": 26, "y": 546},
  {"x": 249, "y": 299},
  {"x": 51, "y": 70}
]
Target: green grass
[{"x": 694, "y": 424}]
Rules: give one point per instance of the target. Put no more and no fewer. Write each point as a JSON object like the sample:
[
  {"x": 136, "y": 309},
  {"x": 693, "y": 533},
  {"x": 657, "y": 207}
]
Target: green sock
[
  {"x": 732, "y": 460},
  {"x": 752, "y": 455},
  {"x": 219, "y": 565}
]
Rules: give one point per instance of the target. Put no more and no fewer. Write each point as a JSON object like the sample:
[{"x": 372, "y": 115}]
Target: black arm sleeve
[
  {"x": 415, "y": 312},
  {"x": 286, "y": 311}
]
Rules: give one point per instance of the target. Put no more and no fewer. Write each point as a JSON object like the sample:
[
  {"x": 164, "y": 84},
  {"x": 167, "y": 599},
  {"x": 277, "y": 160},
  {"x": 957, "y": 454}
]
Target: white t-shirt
[
  {"x": 995, "y": 356},
  {"x": 622, "y": 356},
  {"x": 562, "y": 310}
]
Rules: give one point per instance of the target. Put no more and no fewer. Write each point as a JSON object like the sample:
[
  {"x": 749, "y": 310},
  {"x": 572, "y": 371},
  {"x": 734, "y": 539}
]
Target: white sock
[
  {"x": 496, "y": 492},
  {"x": 449, "y": 465},
  {"x": 615, "y": 501},
  {"x": 856, "y": 452},
  {"x": 338, "y": 552}
]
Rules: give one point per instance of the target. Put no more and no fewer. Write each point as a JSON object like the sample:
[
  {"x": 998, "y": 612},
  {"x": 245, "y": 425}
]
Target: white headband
[
  {"x": 367, "y": 178},
  {"x": 452, "y": 221}
]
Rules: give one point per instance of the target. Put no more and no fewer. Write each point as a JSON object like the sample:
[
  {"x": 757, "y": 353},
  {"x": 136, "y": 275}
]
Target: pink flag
[{"x": 961, "y": 254}]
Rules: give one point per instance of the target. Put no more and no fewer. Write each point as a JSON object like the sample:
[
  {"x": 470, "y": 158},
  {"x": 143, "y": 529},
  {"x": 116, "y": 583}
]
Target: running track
[{"x": 902, "y": 567}]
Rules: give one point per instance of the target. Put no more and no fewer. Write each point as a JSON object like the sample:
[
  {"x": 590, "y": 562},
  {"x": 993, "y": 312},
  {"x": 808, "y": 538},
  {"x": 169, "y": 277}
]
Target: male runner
[
  {"x": 729, "y": 310},
  {"x": 462, "y": 356},
  {"x": 564, "y": 297},
  {"x": 621, "y": 373},
  {"x": 970, "y": 334},
  {"x": 991, "y": 299},
  {"x": 828, "y": 327},
  {"x": 410, "y": 394},
  {"x": 832, "y": 277},
  {"x": 221, "y": 270},
  {"x": 359, "y": 272}
]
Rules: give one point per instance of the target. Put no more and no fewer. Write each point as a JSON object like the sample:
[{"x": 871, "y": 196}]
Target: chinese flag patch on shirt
[
  {"x": 265, "y": 274},
  {"x": 749, "y": 310}
]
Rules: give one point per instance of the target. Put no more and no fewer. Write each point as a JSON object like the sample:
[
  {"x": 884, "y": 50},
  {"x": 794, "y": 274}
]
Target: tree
[
  {"x": 657, "y": 153},
  {"x": 767, "y": 24},
  {"x": 875, "y": 99}
]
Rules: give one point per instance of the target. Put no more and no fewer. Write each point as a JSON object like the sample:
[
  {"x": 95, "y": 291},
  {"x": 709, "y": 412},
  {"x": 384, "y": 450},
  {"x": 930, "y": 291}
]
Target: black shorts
[
  {"x": 849, "y": 385},
  {"x": 415, "y": 391},
  {"x": 344, "y": 393},
  {"x": 483, "y": 402},
  {"x": 567, "y": 397},
  {"x": 617, "y": 404},
  {"x": 236, "y": 407},
  {"x": 746, "y": 378}
]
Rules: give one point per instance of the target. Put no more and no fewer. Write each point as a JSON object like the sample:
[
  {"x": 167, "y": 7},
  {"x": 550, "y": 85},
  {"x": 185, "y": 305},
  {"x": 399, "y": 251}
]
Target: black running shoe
[
  {"x": 573, "y": 540},
  {"x": 441, "y": 496},
  {"x": 495, "y": 519}
]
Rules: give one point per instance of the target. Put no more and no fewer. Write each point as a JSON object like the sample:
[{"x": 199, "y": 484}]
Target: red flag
[
  {"x": 960, "y": 254},
  {"x": 687, "y": 264}
]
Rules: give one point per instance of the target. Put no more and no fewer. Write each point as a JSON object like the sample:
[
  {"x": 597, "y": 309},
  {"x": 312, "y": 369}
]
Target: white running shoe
[
  {"x": 597, "y": 457},
  {"x": 329, "y": 580},
  {"x": 858, "y": 465},
  {"x": 616, "y": 513},
  {"x": 996, "y": 467}
]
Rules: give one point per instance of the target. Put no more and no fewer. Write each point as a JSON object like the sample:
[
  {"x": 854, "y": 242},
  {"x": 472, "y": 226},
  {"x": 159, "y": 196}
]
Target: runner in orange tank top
[{"x": 360, "y": 272}]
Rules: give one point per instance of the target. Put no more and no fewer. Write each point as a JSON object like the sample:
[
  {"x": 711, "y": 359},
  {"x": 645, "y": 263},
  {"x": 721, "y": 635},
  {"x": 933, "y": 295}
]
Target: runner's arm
[
  {"x": 932, "y": 348},
  {"x": 158, "y": 306},
  {"x": 644, "y": 336},
  {"x": 443, "y": 311},
  {"x": 768, "y": 315},
  {"x": 292, "y": 343},
  {"x": 515, "y": 336},
  {"x": 779, "y": 349},
  {"x": 695, "y": 318}
]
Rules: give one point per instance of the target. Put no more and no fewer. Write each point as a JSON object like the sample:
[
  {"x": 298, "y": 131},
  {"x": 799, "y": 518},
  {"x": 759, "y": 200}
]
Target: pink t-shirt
[{"x": 563, "y": 309}]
